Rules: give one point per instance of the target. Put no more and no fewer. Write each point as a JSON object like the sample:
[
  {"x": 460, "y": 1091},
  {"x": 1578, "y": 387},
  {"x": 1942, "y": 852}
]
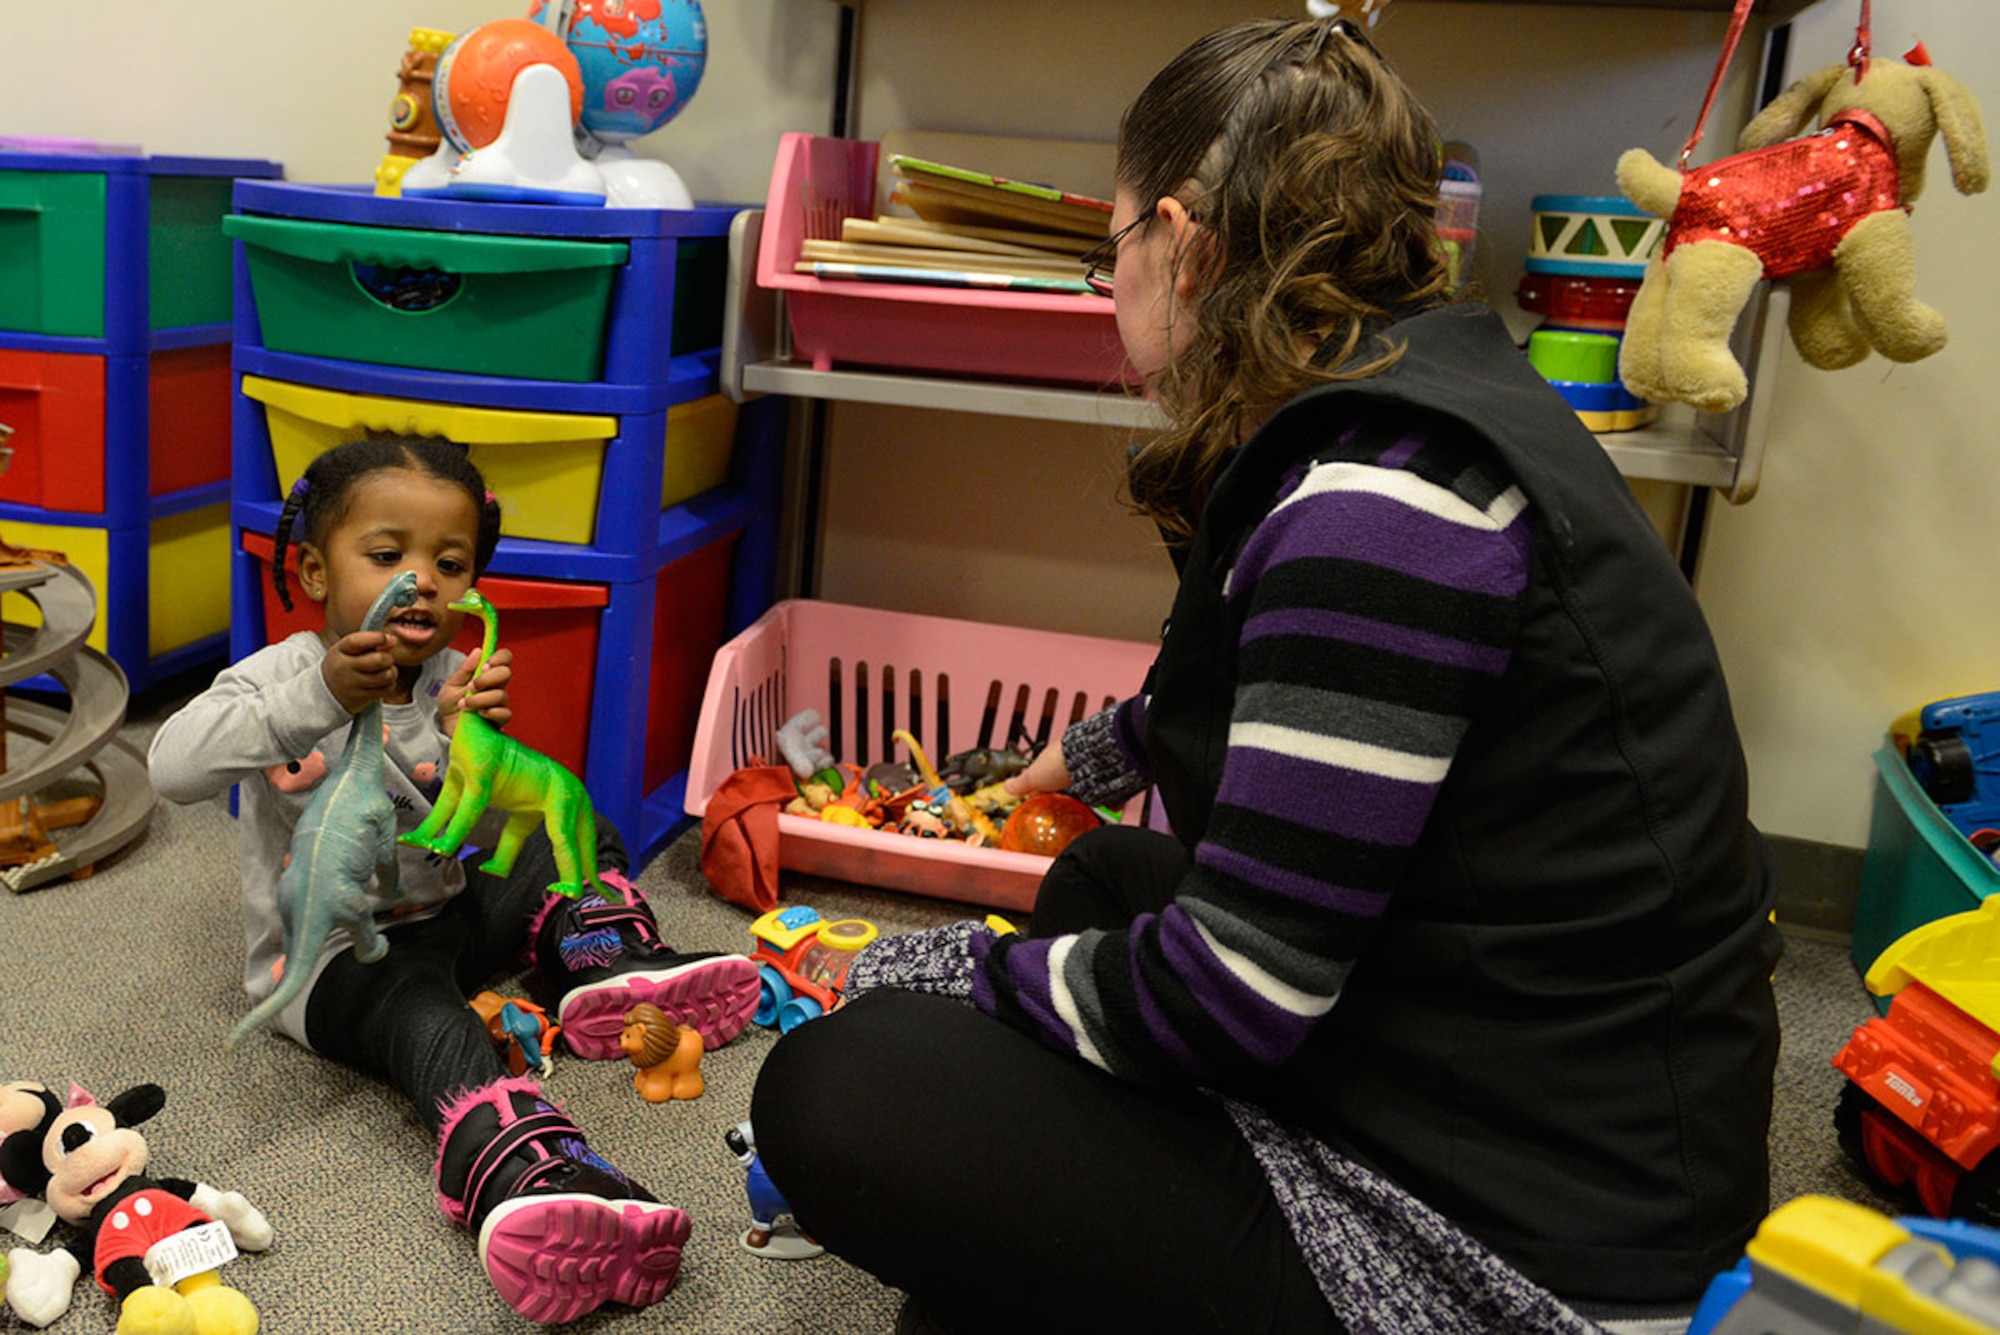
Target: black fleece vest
[{"x": 1561, "y": 1034}]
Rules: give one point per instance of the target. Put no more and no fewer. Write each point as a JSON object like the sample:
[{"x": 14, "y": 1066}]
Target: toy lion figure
[
  {"x": 1829, "y": 212},
  {"x": 668, "y": 1056}
]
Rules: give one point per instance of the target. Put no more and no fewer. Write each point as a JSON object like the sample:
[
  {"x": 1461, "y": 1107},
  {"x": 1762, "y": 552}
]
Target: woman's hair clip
[
  {"x": 491, "y": 499},
  {"x": 299, "y": 488}
]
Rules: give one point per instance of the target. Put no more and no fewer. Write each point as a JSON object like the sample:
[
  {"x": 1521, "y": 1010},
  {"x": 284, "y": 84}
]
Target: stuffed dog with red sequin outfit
[
  {"x": 1829, "y": 212},
  {"x": 90, "y": 1164}
]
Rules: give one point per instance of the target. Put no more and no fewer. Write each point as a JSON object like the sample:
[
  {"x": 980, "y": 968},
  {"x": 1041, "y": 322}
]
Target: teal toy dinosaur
[
  {"x": 345, "y": 836},
  {"x": 486, "y": 767}
]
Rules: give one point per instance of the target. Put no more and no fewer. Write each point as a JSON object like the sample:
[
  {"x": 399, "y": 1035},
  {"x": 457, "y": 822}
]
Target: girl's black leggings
[{"x": 404, "y": 1018}]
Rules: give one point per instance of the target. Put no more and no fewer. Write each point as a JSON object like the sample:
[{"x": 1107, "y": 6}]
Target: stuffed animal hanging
[{"x": 1829, "y": 212}]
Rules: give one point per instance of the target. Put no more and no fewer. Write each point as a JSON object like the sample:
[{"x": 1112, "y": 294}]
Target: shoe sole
[
  {"x": 556, "y": 1258},
  {"x": 714, "y": 997}
]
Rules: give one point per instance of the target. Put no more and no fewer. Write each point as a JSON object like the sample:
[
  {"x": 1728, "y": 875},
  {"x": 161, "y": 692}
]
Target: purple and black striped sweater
[{"x": 1376, "y": 600}]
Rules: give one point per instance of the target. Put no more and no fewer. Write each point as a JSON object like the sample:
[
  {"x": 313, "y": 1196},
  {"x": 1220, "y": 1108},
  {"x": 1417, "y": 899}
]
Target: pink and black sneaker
[
  {"x": 600, "y": 958},
  {"x": 561, "y": 1232}
]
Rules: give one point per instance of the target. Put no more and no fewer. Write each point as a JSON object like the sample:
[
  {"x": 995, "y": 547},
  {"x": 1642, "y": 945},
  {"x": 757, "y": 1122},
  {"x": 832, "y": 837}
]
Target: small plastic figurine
[
  {"x": 668, "y": 1055},
  {"x": 773, "y": 1232},
  {"x": 521, "y": 1030},
  {"x": 155, "y": 1244}
]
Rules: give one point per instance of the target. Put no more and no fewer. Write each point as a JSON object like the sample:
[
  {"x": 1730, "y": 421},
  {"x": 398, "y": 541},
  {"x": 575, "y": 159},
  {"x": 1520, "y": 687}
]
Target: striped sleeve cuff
[{"x": 1101, "y": 772}]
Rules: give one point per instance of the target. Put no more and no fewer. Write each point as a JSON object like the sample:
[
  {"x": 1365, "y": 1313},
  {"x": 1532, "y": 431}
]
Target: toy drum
[
  {"x": 1566, "y": 302},
  {"x": 1592, "y": 236}
]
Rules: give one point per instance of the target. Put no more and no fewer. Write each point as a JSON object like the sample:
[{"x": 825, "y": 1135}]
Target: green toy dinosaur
[
  {"x": 486, "y": 767},
  {"x": 346, "y": 834}
]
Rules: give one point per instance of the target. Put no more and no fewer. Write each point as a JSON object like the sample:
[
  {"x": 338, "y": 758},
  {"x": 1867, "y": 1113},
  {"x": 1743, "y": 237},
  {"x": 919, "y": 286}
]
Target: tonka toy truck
[
  {"x": 1921, "y": 1110},
  {"x": 1820, "y": 1266},
  {"x": 802, "y": 963}
]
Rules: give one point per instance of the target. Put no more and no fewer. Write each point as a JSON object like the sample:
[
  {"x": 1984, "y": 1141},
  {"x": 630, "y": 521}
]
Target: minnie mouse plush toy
[{"x": 154, "y": 1244}]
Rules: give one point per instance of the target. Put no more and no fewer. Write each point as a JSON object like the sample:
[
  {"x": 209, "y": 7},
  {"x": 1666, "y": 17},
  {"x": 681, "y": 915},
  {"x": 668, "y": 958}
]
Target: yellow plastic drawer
[{"x": 547, "y": 469}]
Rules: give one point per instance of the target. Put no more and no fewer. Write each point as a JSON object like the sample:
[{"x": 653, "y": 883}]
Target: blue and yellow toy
[{"x": 1820, "y": 1266}]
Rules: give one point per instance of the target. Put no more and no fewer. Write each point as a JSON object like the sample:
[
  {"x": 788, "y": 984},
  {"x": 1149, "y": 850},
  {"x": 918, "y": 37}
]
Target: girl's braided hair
[
  {"x": 1313, "y": 173},
  {"x": 322, "y": 495}
]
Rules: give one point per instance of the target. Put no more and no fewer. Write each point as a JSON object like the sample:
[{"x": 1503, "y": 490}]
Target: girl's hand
[
  {"x": 1046, "y": 773},
  {"x": 359, "y": 669},
  {"x": 479, "y": 687}
]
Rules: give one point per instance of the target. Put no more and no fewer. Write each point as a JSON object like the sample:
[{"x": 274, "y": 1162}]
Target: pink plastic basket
[
  {"x": 952, "y": 684},
  {"x": 819, "y": 181}
]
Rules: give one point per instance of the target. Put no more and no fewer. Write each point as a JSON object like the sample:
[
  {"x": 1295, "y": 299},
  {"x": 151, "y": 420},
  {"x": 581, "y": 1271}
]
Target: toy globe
[
  {"x": 642, "y": 60},
  {"x": 475, "y": 78},
  {"x": 1046, "y": 823}
]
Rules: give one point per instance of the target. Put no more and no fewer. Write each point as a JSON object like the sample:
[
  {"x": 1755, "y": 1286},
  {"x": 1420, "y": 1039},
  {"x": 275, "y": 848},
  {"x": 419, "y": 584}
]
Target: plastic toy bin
[
  {"x": 819, "y": 181},
  {"x": 1917, "y": 868},
  {"x": 547, "y": 468},
  {"x": 57, "y": 403},
  {"x": 74, "y": 227},
  {"x": 527, "y": 307},
  {"x": 952, "y": 684}
]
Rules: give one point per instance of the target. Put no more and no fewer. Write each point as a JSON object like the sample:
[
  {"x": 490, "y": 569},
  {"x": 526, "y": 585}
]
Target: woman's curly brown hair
[{"x": 1313, "y": 173}]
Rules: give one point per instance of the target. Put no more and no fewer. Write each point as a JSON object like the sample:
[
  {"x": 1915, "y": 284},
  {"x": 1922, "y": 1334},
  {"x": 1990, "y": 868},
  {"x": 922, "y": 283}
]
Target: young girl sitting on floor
[
  {"x": 1447, "y": 1006},
  {"x": 561, "y": 1231}
]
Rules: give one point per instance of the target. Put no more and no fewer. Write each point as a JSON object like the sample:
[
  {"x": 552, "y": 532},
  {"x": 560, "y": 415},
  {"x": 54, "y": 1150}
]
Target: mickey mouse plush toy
[{"x": 90, "y": 1165}]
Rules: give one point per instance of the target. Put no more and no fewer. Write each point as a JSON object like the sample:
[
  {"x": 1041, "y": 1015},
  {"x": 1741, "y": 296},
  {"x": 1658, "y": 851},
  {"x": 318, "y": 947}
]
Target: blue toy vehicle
[
  {"x": 1820, "y": 1266},
  {"x": 1955, "y": 759}
]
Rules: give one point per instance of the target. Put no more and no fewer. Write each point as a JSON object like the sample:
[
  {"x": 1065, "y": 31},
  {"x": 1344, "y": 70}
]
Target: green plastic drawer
[
  {"x": 52, "y": 253},
  {"x": 189, "y": 274},
  {"x": 532, "y": 308}
]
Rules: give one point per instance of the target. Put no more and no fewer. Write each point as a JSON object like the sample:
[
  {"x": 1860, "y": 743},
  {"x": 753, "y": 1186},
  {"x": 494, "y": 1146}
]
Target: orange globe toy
[
  {"x": 1046, "y": 823},
  {"x": 475, "y": 78}
]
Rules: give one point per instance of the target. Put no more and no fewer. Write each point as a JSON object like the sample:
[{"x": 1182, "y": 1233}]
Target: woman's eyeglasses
[{"x": 1103, "y": 257}]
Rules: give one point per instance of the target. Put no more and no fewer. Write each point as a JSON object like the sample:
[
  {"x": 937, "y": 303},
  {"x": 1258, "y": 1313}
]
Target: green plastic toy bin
[
  {"x": 529, "y": 308},
  {"x": 1918, "y": 867},
  {"x": 52, "y": 253}
]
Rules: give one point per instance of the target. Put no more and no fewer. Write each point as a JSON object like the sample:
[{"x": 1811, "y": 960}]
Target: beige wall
[
  {"x": 924, "y": 512},
  {"x": 1848, "y": 591},
  {"x": 1853, "y": 587},
  {"x": 233, "y": 78}
]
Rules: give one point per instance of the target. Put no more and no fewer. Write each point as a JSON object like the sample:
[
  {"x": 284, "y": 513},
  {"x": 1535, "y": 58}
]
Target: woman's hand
[
  {"x": 1046, "y": 773},
  {"x": 479, "y": 687},
  {"x": 359, "y": 669}
]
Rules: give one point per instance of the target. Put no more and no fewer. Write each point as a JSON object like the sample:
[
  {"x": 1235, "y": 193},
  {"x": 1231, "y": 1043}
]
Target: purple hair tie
[{"x": 299, "y": 487}]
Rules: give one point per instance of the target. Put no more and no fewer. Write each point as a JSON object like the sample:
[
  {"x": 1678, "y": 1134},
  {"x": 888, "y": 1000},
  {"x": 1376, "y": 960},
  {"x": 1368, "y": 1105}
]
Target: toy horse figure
[
  {"x": 345, "y": 837},
  {"x": 488, "y": 768}
]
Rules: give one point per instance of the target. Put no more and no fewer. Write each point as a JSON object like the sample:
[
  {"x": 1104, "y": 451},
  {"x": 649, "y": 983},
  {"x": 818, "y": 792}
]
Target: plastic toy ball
[
  {"x": 1046, "y": 823},
  {"x": 641, "y": 61},
  {"x": 475, "y": 78}
]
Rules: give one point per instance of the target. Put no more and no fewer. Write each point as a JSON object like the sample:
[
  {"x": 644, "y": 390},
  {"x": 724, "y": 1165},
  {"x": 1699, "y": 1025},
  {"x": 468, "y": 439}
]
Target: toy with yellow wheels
[
  {"x": 802, "y": 963},
  {"x": 1819, "y": 1266}
]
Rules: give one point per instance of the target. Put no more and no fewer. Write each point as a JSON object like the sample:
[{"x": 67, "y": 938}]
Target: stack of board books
[{"x": 969, "y": 229}]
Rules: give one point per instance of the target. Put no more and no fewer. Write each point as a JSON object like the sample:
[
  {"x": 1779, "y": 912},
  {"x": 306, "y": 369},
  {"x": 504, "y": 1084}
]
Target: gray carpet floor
[{"x": 132, "y": 975}]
